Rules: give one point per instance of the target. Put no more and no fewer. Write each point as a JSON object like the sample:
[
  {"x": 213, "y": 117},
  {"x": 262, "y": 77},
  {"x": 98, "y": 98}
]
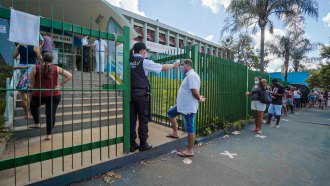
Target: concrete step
[
  {"x": 87, "y": 100},
  {"x": 88, "y": 76},
  {"x": 66, "y": 107},
  {"x": 68, "y": 126},
  {"x": 96, "y": 113},
  {"x": 86, "y": 93}
]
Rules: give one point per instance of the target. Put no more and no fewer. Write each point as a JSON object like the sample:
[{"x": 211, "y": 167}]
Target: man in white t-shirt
[
  {"x": 100, "y": 52},
  {"x": 187, "y": 101}
]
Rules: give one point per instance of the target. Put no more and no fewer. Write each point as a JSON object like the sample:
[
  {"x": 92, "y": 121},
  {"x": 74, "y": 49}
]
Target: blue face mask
[{"x": 182, "y": 69}]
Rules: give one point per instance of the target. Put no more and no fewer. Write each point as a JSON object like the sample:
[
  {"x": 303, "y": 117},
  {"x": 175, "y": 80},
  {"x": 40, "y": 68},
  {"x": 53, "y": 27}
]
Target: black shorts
[{"x": 304, "y": 100}]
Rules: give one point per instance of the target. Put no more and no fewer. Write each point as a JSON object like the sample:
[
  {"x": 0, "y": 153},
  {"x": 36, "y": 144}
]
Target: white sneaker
[{"x": 275, "y": 126}]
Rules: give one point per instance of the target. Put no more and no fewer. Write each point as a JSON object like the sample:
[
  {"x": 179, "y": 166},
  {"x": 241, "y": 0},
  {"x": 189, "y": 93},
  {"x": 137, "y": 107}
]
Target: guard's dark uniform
[
  {"x": 86, "y": 57},
  {"x": 139, "y": 102}
]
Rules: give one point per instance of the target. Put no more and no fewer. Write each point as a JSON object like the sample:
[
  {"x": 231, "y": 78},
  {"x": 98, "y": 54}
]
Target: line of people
[{"x": 283, "y": 100}]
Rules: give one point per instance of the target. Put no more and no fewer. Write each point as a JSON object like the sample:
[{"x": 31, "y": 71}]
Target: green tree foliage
[
  {"x": 320, "y": 78},
  {"x": 244, "y": 52},
  {"x": 290, "y": 47},
  {"x": 325, "y": 52}
]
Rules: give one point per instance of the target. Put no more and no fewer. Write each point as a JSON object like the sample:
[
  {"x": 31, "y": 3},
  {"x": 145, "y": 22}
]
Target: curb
[
  {"x": 217, "y": 134},
  {"x": 88, "y": 172}
]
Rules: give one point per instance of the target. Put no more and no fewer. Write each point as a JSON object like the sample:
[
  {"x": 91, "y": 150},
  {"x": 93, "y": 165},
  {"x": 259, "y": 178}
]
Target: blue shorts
[
  {"x": 275, "y": 109},
  {"x": 188, "y": 119}
]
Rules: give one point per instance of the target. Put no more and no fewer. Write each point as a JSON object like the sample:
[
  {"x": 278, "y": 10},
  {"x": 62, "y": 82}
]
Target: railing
[
  {"x": 92, "y": 120},
  {"x": 11, "y": 96},
  {"x": 223, "y": 83}
]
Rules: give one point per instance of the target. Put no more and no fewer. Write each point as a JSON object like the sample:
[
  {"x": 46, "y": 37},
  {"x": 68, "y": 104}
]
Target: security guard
[{"x": 140, "y": 67}]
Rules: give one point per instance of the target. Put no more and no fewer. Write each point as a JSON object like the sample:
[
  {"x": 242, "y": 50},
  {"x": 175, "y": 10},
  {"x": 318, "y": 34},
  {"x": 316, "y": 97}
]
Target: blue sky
[{"x": 205, "y": 18}]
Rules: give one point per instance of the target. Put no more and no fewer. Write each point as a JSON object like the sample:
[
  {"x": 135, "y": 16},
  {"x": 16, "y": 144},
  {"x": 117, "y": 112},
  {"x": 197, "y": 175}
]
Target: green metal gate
[
  {"x": 223, "y": 83},
  {"x": 92, "y": 120}
]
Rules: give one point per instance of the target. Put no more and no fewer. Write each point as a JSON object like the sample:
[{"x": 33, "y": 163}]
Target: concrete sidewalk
[{"x": 298, "y": 153}]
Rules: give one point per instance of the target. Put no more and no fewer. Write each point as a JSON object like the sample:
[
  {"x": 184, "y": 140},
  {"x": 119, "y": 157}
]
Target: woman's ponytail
[{"x": 47, "y": 70}]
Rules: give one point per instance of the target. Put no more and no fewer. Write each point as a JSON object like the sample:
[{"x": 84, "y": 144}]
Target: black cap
[{"x": 139, "y": 46}]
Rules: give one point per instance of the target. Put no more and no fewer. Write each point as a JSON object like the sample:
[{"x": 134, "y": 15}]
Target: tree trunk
[
  {"x": 286, "y": 63},
  {"x": 262, "y": 49}
]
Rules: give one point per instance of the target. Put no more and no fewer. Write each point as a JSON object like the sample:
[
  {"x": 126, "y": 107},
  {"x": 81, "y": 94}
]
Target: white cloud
[
  {"x": 326, "y": 19},
  {"x": 209, "y": 37},
  {"x": 214, "y": 5},
  {"x": 130, "y": 5}
]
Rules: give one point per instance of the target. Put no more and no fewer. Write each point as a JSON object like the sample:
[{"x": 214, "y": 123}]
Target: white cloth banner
[{"x": 24, "y": 28}]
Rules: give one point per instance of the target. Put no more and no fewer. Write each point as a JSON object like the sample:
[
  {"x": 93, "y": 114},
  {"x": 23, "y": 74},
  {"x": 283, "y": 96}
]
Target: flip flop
[
  {"x": 171, "y": 136},
  {"x": 181, "y": 154},
  {"x": 253, "y": 130},
  {"x": 35, "y": 127}
]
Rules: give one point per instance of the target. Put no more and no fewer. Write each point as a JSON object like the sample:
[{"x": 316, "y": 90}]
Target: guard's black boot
[
  {"x": 134, "y": 147},
  {"x": 145, "y": 146}
]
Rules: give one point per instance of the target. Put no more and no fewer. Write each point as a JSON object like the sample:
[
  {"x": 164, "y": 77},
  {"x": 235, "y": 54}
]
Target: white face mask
[
  {"x": 256, "y": 82},
  {"x": 182, "y": 69}
]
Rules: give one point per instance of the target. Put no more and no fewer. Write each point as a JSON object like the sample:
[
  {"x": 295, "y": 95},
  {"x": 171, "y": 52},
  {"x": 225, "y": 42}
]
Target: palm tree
[
  {"x": 297, "y": 57},
  {"x": 291, "y": 46},
  {"x": 259, "y": 13},
  {"x": 325, "y": 52}
]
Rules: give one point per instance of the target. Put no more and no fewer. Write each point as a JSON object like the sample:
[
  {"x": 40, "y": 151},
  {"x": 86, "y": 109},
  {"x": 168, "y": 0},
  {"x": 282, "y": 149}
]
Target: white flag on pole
[{"x": 24, "y": 28}]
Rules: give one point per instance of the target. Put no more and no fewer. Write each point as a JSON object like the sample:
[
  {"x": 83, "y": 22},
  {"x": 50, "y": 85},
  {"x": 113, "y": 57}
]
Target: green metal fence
[
  {"x": 92, "y": 119},
  {"x": 223, "y": 83}
]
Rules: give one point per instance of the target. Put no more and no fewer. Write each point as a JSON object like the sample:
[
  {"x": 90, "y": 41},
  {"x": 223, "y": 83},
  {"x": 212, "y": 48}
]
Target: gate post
[
  {"x": 127, "y": 90},
  {"x": 194, "y": 58},
  {"x": 246, "y": 97}
]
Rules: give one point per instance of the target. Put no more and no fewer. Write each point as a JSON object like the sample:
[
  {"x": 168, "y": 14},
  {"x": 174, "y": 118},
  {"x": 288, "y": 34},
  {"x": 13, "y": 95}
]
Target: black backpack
[{"x": 265, "y": 97}]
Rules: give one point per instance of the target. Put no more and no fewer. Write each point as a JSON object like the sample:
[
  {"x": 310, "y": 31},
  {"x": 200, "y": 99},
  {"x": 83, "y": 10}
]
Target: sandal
[
  {"x": 172, "y": 136},
  {"x": 182, "y": 154}
]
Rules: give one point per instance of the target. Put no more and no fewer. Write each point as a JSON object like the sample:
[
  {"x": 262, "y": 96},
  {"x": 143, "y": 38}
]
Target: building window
[
  {"x": 172, "y": 41},
  {"x": 162, "y": 38},
  {"x": 203, "y": 50},
  {"x": 139, "y": 31},
  {"x": 213, "y": 53},
  {"x": 181, "y": 43},
  {"x": 189, "y": 43},
  {"x": 151, "y": 35},
  {"x": 208, "y": 51}
]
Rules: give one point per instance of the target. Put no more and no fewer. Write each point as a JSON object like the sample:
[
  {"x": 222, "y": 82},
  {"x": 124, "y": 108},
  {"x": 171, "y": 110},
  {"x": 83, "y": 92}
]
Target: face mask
[
  {"x": 256, "y": 82},
  {"x": 182, "y": 69}
]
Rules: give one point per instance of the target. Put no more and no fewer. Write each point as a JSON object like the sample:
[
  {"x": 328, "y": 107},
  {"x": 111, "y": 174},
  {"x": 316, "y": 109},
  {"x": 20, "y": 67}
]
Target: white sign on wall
[{"x": 60, "y": 38}]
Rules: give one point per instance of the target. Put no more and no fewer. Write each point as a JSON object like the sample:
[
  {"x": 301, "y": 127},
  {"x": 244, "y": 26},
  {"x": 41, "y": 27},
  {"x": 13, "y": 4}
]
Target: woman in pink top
[{"x": 289, "y": 97}]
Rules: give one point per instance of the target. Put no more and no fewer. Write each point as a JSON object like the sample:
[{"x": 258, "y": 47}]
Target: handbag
[{"x": 265, "y": 97}]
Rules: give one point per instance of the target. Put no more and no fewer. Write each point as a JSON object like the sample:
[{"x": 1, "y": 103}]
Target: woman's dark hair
[{"x": 46, "y": 69}]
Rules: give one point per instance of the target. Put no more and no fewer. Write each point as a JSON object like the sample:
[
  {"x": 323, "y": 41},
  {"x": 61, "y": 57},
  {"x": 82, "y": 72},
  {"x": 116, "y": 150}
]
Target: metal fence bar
[{"x": 62, "y": 148}]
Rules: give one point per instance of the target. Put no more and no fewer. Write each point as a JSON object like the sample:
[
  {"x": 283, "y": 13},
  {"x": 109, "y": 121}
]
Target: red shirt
[{"x": 46, "y": 83}]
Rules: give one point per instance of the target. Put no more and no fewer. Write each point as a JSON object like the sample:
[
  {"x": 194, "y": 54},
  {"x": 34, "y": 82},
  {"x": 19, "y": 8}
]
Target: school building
[{"x": 100, "y": 14}]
